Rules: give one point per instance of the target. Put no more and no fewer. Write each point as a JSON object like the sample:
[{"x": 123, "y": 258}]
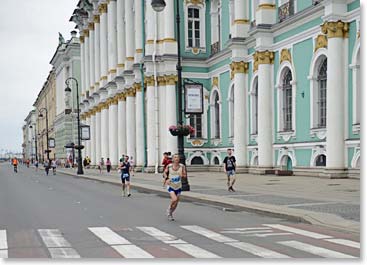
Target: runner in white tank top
[{"x": 173, "y": 175}]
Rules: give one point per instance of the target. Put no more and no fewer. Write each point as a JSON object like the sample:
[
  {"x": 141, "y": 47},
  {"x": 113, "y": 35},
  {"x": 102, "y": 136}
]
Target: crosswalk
[{"x": 188, "y": 241}]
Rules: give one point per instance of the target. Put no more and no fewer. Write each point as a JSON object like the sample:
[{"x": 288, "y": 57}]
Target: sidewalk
[{"x": 329, "y": 202}]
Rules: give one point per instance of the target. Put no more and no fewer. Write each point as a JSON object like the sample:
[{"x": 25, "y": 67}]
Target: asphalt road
[{"x": 68, "y": 217}]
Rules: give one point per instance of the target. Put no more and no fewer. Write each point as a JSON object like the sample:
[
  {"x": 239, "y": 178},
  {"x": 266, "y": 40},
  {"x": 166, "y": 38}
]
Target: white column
[
  {"x": 162, "y": 116},
  {"x": 171, "y": 113},
  {"x": 88, "y": 143},
  {"x": 241, "y": 18},
  {"x": 112, "y": 38},
  {"x": 240, "y": 108},
  {"x": 130, "y": 123},
  {"x": 122, "y": 125},
  {"x": 130, "y": 43},
  {"x": 150, "y": 28},
  {"x": 170, "y": 46},
  {"x": 336, "y": 74},
  {"x": 266, "y": 12},
  {"x": 139, "y": 160},
  {"x": 138, "y": 32},
  {"x": 265, "y": 150},
  {"x": 86, "y": 60},
  {"x": 151, "y": 131},
  {"x": 104, "y": 132},
  {"x": 91, "y": 57},
  {"x": 93, "y": 139},
  {"x": 103, "y": 44},
  {"x": 82, "y": 58},
  {"x": 97, "y": 56},
  {"x": 98, "y": 136},
  {"x": 121, "y": 43},
  {"x": 113, "y": 141}
]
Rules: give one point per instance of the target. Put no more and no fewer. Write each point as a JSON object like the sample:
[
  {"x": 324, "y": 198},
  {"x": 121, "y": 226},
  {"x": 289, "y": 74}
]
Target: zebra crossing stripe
[
  {"x": 298, "y": 231},
  {"x": 247, "y": 247},
  {"x": 180, "y": 244},
  {"x": 56, "y": 244},
  {"x": 118, "y": 243},
  {"x": 345, "y": 242},
  {"x": 319, "y": 251}
]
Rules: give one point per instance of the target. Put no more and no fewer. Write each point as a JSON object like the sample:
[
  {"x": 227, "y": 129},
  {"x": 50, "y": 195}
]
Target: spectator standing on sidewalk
[
  {"x": 53, "y": 165},
  {"x": 100, "y": 165},
  {"x": 108, "y": 165},
  {"x": 46, "y": 164},
  {"x": 229, "y": 163}
]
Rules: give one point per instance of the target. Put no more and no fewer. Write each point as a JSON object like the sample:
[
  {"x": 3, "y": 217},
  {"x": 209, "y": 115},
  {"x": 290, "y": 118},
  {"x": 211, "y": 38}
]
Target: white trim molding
[
  {"x": 355, "y": 163},
  {"x": 317, "y": 151}
]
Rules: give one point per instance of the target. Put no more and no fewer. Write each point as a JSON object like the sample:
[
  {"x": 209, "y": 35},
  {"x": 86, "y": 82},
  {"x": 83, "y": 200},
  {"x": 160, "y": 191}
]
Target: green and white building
[{"x": 281, "y": 82}]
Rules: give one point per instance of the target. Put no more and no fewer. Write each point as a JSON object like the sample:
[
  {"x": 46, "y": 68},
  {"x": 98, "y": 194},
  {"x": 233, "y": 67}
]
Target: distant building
[{"x": 29, "y": 143}]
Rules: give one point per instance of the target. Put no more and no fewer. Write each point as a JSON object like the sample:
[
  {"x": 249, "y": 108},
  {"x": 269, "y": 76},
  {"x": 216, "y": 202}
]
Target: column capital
[
  {"x": 130, "y": 92},
  {"x": 102, "y": 8},
  {"x": 91, "y": 26},
  {"x": 81, "y": 38},
  {"x": 121, "y": 96},
  {"x": 137, "y": 87},
  {"x": 266, "y": 6},
  {"x": 161, "y": 81},
  {"x": 263, "y": 57},
  {"x": 171, "y": 79},
  {"x": 238, "y": 68},
  {"x": 149, "y": 80},
  {"x": 335, "y": 29},
  {"x": 86, "y": 32},
  {"x": 96, "y": 19}
]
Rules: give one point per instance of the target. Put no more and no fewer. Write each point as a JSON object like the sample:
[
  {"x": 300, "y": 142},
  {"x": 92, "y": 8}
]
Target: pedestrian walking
[
  {"x": 125, "y": 169},
  {"x": 100, "y": 165},
  {"x": 53, "y": 166},
  {"x": 229, "y": 163},
  {"x": 174, "y": 173},
  {"x": 46, "y": 164},
  {"x": 36, "y": 164},
  {"x": 132, "y": 165},
  {"x": 108, "y": 165}
]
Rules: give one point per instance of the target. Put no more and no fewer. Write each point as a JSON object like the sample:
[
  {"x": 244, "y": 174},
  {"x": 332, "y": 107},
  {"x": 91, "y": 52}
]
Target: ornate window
[
  {"x": 320, "y": 161},
  {"x": 216, "y": 116},
  {"x": 195, "y": 26},
  {"x": 215, "y": 26},
  {"x": 287, "y": 101},
  {"x": 215, "y": 113},
  {"x": 196, "y": 122},
  {"x": 321, "y": 102}
]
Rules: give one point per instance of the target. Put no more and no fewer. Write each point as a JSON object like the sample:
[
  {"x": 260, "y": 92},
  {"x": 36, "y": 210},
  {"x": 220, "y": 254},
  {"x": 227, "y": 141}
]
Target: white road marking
[
  {"x": 345, "y": 242},
  {"x": 271, "y": 234},
  {"x": 247, "y": 247},
  {"x": 209, "y": 234},
  {"x": 180, "y": 244},
  {"x": 3, "y": 254},
  {"x": 3, "y": 240},
  {"x": 319, "y": 251},
  {"x": 56, "y": 244},
  {"x": 248, "y": 228},
  {"x": 298, "y": 231},
  {"x": 257, "y": 251},
  {"x": 120, "y": 244}
]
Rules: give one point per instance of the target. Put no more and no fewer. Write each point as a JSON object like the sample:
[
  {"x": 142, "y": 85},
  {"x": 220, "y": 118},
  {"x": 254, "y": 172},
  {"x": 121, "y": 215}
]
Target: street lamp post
[
  {"x": 47, "y": 139},
  {"x": 158, "y": 6},
  {"x": 35, "y": 140},
  {"x": 79, "y": 147}
]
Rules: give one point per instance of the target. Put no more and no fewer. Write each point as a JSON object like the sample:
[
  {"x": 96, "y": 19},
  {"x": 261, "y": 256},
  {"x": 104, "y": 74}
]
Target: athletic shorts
[
  {"x": 125, "y": 177},
  {"x": 231, "y": 173},
  {"x": 177, "y": 192}
]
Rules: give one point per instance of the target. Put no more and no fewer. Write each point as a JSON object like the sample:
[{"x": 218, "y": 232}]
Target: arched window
[
  {"x": 216, "y": 161},
  {"x": 194, "y": 18},
  {"x": 320, "y": 161},
  {"x": 287, "y": 101},
  {"x": 254, "y": 106},
  {"x": 231, "y": 111},
  {"x": 216, "y": 116},
  {"x": 321, "y": 102},
  {"x": 197, "y": 160},
  {"x": 256, "y": 161}
]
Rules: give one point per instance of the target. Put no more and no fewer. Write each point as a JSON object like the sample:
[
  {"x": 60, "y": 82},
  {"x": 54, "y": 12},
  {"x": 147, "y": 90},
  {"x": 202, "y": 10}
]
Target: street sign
[
  {"x": 85, "y": 132},
  {"x": 51, "y": 142},
  {"x": 194, "y": 100}
]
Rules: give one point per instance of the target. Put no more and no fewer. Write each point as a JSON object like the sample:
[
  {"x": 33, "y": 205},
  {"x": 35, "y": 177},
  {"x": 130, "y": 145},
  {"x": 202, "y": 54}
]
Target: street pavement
[{"x": 63, "y": 216}]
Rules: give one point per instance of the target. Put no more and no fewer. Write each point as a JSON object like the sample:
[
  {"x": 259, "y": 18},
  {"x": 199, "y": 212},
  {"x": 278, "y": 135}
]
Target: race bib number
[{"x": 175, "y": 179}]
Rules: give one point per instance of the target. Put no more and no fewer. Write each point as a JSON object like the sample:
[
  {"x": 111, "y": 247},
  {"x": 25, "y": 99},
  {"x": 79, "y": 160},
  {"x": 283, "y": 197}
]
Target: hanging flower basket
[{"x": 184, "y": 130}]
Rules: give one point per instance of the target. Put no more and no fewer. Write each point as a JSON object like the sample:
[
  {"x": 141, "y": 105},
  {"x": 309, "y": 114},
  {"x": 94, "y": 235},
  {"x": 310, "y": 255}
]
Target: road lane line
[
  {"x": 247, "y": 229},
  {"x": 345, "y": 242},
  {"x": 319, "y": 251},
  {"x": 209, "y": 234},
  {"x": 3, "y": 240},
  {"x": 298, "y": 231},
  {"x": 57, "y": 245},
  {"x": 247, "y": 247},
  {"x": 257, "y": 251},
  {"x": 180, "y": 244},
  {"x": 123, "y": 246}
]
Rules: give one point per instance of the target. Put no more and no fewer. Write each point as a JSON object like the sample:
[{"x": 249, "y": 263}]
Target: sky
[{"x": 28, "y": 39}]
